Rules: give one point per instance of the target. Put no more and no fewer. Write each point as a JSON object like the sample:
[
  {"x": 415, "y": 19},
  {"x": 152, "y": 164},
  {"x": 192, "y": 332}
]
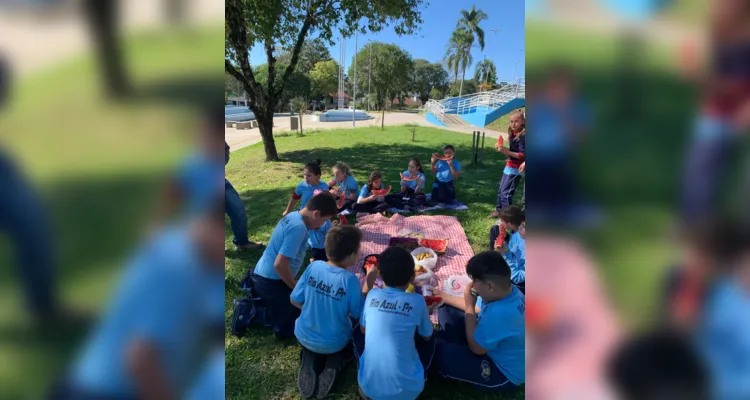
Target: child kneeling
[
  {"x": 328, "y": 295},
  {"x": 393, "y": 363},
  {"x": 482, "y": 336}
]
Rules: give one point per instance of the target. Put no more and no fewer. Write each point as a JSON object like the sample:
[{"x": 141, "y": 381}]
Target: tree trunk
[
  {"x": 461, "y": 88},
  {"x": 300, "y": 123},
  {"x": 382, "y": 120},
  {"x": 103, "y": 20},
  {"x": 265, "y": 125}
]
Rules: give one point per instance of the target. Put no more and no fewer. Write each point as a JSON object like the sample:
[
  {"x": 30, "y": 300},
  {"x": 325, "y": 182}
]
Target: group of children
[{"x": 388, "y": 330}]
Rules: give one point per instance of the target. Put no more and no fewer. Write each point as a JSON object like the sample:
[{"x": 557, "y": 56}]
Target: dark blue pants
[
  {"x": 24, "y": 219},
  {"x": 443, "y": 192},
  {"x": 401, "y": 200},
  {"x": 274, "y": 295},
  {"x": 454, "y": 360},
  {"x": 425, "y": 348},
  {"x": 235, "y": 208},
  {"x": 707, "y": 159},
  {"x": 506, "y": 190},
  {"x": 555, "y": 188},
  {"x": 371, "y": 207},
  {"x": 66, "y": 391}
]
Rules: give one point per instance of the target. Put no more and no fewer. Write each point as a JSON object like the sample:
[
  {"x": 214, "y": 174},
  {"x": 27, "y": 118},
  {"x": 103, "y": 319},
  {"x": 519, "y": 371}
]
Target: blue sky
[{"x": 504, "y": 47}]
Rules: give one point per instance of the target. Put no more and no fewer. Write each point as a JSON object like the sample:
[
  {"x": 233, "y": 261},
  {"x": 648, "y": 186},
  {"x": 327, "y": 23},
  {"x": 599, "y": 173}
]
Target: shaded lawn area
[
  {"x": 258, "y": 366},
  {"x": 100, "y": 167}
]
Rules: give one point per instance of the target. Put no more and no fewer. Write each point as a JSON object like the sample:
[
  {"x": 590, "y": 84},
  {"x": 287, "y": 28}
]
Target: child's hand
[
  {"x": 285, "y": 213},
  {"x": 504, "y": 150},
  {"x": 522, "y": 168},
  {"x": 380, "y": 198},
  {"x": 469, "y": 298},
  {"x": 432, "y": 160}
]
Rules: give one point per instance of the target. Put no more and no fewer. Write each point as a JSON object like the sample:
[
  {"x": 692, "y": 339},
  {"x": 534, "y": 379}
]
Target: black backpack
[{"x": 247, "y": 310}]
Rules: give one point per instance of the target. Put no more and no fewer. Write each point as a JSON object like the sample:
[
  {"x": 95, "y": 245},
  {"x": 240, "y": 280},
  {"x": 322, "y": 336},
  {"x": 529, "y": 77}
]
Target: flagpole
[{"x": 354, "y": 110}]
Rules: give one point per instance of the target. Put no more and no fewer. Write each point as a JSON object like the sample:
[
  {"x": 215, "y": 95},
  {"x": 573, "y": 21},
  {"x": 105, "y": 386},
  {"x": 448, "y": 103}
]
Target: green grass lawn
[
  {"x": 259, "y": 366},
  {"x": 99, "y": 167}
]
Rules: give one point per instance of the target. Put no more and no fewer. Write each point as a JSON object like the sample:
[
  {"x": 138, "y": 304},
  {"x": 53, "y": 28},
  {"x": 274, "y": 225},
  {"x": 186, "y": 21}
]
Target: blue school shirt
[
  {"x": 516, "y": 257},
  {"x": 329, "y": 295},
  {"x": 289, "y": 239},
  {"x": 444, "y": 170},
  {"x": 349, "y": 185},
  {"x": 365, "y": 192},
  {"x": 199, "y": 178},
  {"x": 724, "y": 339},
  {"x": 306, "y": 191},
  {"x": 390, "y": 366},
  {"x": 318, "y": 236},
  {"x": 413, "y": 184},
  {"x": 550, "y": 139},
  {"x": 210, "y": 383},
  {"x": 501, "y": 330},
  {"x": 163, "y": 298}
]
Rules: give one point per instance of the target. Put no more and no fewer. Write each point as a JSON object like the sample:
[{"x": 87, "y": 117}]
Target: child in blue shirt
[
  {"x": 273, "y": 277},
  {"x": 412, "y": 195},
  {"x": 514, "y": 249},
  {"x": 345, "y": 185},
  {"x": 329, "y": 297},
  {"x": 485, "y": 343},
  {"x": 368, "y": 202},
  {"x": 306, "y": 189},
  {"x": 317, "y": 242},
  {"x": 393, "y": 362},
  {"x": 443, "y": 189}
]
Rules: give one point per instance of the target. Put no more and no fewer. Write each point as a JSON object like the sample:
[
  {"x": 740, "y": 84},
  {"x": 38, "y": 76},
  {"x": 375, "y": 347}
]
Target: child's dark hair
[
  {"x": 374, "y": 175},
  {"x": 418, "y": 164},
  {"x": 314, "y": 167},
  {"x": 323, "y": 202},
  {"x": 449, "y": 147},
  {"x": 658, "y": 365},
  {"x": 513, "y": 215},
  {"x": 523, "y": 127},
  {"x": 489, "y": 266},
  {"x": 396, "y": 266},
  {"x": 342, "y": 241}
]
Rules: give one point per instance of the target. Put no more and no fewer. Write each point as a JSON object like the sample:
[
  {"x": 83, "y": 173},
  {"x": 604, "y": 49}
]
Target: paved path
[{"x": 238, "y": 139}]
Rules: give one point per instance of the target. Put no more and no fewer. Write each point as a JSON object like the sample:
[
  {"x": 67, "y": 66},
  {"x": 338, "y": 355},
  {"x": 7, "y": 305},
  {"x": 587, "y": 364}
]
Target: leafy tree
[
  {"x": 466, "y": 87},
  {"x": 324, "y": 78},
  {"x": 486, "y": 73},
  {"x": 299, "y": 85},
  {"x": 427, "y": 76},
  {"x": 313, "y": 51},
  {"x": 435, "y": 93},
  {"x": 288, "y": 23}
]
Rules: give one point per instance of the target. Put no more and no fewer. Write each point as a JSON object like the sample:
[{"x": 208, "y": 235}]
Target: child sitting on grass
[
  {"x": 273, "y": 277},
  {"x": 514, "y": 249},
  {"x": 412, "y": 194},
  {"x": 328, "y": 294},
  {"x": 368, "y": 202},
  {"x": 443, "y": 189},
  {"x": 345, "y": 185},
  {"x": 485, "y": 343},
  {"x": 392, "y": 362}
]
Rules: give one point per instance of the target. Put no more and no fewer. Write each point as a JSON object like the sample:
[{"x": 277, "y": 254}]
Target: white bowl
[{"x": 428, "y": 263}]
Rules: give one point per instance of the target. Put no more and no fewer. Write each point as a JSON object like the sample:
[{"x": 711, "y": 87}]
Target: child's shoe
[
  {"x": 308, "y": 379},
  {"x": 332, "y": 370}
]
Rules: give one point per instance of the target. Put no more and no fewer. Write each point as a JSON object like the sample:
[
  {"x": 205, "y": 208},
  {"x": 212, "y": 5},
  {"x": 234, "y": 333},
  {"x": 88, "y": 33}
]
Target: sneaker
[
  {"x": 249, "y": 245},
  {"x": 334, "y": 365},
  {"x": 308, "y": 379}
]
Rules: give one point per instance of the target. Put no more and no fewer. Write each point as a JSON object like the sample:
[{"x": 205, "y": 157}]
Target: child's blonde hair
[
  {"x": 523, "y": 127},
  {"x": 343, "y": 167}
]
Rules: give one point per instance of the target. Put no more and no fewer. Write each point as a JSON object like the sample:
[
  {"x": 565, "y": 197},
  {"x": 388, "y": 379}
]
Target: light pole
[
  {"x": 354, "y": 110},
  {"x": 369, "y": 75}
]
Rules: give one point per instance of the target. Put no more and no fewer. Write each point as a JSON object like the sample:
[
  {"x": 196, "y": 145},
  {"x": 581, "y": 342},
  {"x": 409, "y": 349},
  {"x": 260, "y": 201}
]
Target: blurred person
[
  {"x": 274, "y": 277},
  {"x": 516, "y": 153},
  {"x": 482, "y": 335},
  {"x": 24, "y": 218},
  {"x": 725, "y": 110},
  {"x": 560, "y": 121},
  {"x": 171, "y": 293},
  {"x": 660, "y": 365},
  {"x": 210, "y": 381}
]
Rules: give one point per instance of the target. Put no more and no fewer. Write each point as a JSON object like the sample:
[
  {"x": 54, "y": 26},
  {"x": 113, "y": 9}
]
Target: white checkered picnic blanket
[{"x": 377, "y": 231}]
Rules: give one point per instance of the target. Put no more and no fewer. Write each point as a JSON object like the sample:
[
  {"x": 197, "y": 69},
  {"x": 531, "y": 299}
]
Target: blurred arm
[{"x": 145, "y": 367}]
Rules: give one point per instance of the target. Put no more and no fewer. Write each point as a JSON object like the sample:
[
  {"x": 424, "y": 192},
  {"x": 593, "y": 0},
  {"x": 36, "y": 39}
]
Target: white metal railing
[{"x": 473, "y": 102}]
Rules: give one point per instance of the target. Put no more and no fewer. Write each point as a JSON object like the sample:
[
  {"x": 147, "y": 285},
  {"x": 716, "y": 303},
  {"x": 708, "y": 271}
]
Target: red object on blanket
[
  {"x": 430, "y": 300},
  {"x": 438, "y": 245},
  {"x": 343, "y": 220}
]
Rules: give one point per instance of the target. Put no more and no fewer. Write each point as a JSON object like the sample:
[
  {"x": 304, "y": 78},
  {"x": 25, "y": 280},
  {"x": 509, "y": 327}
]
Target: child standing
[
  {"x": 485, "y": 344},
  {"x": 306, "y": 189},
  {"x": 516, "y": 153},
  {"x": 328, "y": 295},
  {"x": 345, "y": 184},
  {"x": 412, "y": 191},
  {"x": 273, "y": 277},
  {"x": 443, "y": 189},
  {"x": 392, "y": 362},
  {"x": 368, "y": 202},
  {"x": 514, "y": 250}
]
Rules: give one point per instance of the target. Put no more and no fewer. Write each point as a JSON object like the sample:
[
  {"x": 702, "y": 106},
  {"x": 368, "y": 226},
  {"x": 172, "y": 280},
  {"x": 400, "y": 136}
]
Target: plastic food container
[
  {"x": 407, "y": 243},
  {"x": 424, "y": 279},
  {"x": 455, "y": 285},
  {"x": 430, "y": 262},
  {"x": 411, "y": 234}
]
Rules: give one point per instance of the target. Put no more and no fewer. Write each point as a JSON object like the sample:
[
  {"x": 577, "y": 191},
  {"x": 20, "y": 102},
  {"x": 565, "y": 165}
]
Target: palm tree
[
  {"x": 470, "y": 20},
  {"x": 458, "y": 56},
  {"x": 486, "y": 73}
]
